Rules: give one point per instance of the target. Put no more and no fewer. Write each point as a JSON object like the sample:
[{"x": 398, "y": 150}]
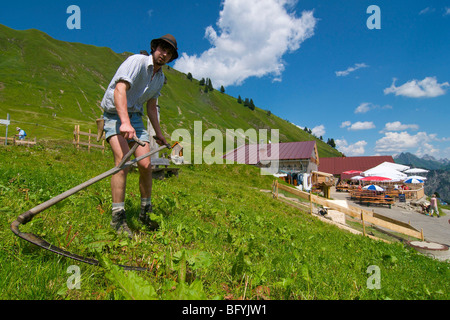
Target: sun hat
[{"x": 170, "y": 39}]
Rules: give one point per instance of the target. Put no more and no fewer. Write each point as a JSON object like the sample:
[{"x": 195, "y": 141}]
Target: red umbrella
[
  {"x": 351, "y": 172},
  {"x": 375, "y": 178}
]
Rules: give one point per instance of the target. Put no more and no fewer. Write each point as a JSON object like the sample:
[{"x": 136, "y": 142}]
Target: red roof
[
  {"x": 250, "y": 154},
  {"x": 338, "y": 165}
]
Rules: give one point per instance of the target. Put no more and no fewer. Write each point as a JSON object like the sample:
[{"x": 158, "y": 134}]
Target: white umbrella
[
  {"x": 385, "y": 172},
  {"x": 388, "y": 170},
  {"x": 417, "y": 177},
  {"x": 356, "y": 178},
  {"x": 415, "y": 170},
  {"x": 373, "y": 187}
]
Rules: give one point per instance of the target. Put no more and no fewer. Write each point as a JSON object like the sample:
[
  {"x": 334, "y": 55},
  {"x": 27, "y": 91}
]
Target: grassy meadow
[{"x": 220, "y": 237}]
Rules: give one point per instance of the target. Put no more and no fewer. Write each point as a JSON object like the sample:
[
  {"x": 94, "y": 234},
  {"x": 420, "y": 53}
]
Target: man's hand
[
  {"x": 161, "y": 140},
  {"x": 127, "y": 131}
]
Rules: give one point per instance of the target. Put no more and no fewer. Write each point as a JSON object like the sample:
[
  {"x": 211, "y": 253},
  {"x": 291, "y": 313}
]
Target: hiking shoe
[
  {"x": 119, "y": 223},
  {"x": 144, "y": 218}
]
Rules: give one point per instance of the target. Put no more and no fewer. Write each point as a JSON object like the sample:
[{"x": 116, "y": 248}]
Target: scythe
[{"x": 27, "y": 216}]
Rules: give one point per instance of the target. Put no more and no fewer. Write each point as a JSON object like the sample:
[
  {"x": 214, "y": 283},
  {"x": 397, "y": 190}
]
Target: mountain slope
[
  {"x": 428, "y": 163},
  {"x": 51, "y": 84},
  {"x": 438, "y": 176},
  {"x": 47, "y": 86}
]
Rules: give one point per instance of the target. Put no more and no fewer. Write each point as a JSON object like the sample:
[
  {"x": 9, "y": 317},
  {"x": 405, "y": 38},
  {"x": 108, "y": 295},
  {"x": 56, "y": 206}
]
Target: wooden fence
[
  {"x": 364, "y": 215},
  {"x": 91, "y": 143},
  {"x": 17, "y": 142}
]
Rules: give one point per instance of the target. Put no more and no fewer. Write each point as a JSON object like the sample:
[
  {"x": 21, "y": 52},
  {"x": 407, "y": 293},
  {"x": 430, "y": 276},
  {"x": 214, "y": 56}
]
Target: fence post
[
  {"x": 78, "y": 136},
  {"x": 277, "y": 188},
  {"x": 273, "y": 189},
  {"x": 310, "y": 202},
  {"x": 363, "y": 224},
  {"x": 7, "y": 122}
]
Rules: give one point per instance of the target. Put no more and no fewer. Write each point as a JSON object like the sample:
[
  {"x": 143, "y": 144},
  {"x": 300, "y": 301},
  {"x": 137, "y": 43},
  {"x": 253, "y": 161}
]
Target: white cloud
[
  {"x": 367, "y": 106},
  {"x": 427, "y": 148},
  {"x": 363, "y": 108},
  {"x": 361, "y": 125},
  {"x": 366, "y": 125},
  {"x": 446, "y": 11},
  {"x": 426, "y": 88},
  {"x": 398, "y": 126},
  {"x": 403, "y": 141},
  {"x": 318, "y": 130},
  {"x": 346, "y": 124},
  {"x": 350, "y": 69},
  {"x": 355, "y": 149},
  {"x": 427, "y": 10},
  {"x": 251, "y": 38}
]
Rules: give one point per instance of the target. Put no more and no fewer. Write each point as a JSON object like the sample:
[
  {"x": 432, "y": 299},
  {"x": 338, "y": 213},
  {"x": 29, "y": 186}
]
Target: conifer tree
[{"x": 251, "y": 105}]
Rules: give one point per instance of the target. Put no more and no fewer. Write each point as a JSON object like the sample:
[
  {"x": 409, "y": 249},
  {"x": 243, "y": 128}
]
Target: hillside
[{"x": 47, "y": 86}]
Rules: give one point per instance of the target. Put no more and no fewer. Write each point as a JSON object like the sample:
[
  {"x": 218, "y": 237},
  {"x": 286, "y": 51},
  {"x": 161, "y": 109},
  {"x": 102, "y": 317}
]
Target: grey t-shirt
[{"x": 137, "y": 70}]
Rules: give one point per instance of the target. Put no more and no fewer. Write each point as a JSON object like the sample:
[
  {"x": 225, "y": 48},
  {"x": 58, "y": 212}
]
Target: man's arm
[
  {"x": 152, "y": 113},
  {"x": 120, "y": 99}
]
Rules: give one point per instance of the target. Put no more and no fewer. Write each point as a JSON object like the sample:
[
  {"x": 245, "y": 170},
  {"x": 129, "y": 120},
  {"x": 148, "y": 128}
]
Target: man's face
[{"x": 163, "y": 54}]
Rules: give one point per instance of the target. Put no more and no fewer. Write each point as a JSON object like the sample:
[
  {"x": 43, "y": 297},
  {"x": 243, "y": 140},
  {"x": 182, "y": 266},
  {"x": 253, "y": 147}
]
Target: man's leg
[
  {"x": 145, "y": 172},
  {"x": 119, "y": 147},
  {"x": 145, "y": 187}
]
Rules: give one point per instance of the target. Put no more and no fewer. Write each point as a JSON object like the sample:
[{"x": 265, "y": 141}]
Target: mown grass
[{"x": 220, "y": 238}]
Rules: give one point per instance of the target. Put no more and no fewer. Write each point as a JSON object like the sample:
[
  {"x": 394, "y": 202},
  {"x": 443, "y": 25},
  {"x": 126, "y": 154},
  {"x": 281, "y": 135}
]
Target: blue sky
[{"x": 314, "y": 63}]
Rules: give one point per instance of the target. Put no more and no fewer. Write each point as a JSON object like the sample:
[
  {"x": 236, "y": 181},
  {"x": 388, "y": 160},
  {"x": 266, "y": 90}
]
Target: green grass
[{"x": 220, "y": 238}]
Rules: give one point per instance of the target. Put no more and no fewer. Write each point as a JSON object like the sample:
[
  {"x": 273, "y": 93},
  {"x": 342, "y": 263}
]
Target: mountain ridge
[
  {"x": 438, "y": 176},
  {"x": 425, "y": 162}
]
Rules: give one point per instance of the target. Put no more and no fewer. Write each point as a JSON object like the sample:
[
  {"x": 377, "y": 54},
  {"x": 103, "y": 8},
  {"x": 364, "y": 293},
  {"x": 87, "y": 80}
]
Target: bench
[{"x": 377, "y": 200}]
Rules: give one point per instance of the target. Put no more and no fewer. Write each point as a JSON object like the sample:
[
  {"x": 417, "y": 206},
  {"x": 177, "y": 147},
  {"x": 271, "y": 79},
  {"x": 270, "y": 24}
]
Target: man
[
  {"x": 21, "y": 134},
  {"x": 434, "y": 206},
  {"x": 137, "y": 82}
]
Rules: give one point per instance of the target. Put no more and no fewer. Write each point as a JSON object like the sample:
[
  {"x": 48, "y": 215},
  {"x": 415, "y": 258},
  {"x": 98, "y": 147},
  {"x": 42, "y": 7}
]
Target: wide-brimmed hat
[{"x": 170, "y": 39}]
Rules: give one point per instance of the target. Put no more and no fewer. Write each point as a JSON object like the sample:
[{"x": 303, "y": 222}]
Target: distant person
[
  {"x": 137, "y": 83},
  {"x": 434, "y": 206},
  {"x": 22, "y": 134}
]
